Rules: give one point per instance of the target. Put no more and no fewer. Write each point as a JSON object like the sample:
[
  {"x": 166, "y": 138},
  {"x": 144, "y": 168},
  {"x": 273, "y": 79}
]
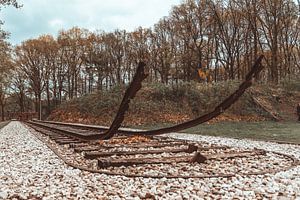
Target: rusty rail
[
  {"x": 136, "y": 85},
  {"x": 130, "y": 93},
  {"x": 116, "y": 156},
  {"x": 256, "y": 69}
]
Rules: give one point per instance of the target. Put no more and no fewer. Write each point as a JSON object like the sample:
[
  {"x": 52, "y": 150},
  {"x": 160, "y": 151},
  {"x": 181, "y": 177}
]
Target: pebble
[
  {"x": 29, "y": 169},
  {"x": 3, "y": 195}
]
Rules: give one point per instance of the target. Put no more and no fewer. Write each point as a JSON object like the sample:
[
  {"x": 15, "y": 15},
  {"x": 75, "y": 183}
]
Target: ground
[
  {"x": 265, "y": 130},
  {"x": 156, "y": 104},
  {"x": 29, "y": 170}
]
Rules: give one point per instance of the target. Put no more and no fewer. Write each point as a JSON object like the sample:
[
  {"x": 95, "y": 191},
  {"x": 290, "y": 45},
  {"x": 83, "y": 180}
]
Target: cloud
[
  {"x": 56, "y": 23},
  {"x": 38, "y": 17}
]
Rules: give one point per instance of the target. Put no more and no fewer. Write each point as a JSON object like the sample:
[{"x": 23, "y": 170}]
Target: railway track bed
[{"x": 156, "y": 156}]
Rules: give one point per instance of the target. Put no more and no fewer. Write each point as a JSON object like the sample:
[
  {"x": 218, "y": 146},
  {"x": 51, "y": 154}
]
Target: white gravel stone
[{"x": 28, "y": 170}]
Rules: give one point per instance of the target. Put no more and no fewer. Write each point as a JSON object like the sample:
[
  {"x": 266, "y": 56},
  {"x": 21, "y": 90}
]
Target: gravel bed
[
  {"x": 216, "y": 167},
  {"x": 29, "y": 170}
]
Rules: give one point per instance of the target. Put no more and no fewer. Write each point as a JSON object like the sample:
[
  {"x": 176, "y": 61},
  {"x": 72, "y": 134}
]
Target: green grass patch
[{"x": 287, "y": 131}]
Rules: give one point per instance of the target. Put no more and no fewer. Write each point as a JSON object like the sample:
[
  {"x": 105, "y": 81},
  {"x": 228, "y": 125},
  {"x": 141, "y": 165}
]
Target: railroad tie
[
  {"x": 92, "y": 155},
  {"x": 196, "y": 158}
]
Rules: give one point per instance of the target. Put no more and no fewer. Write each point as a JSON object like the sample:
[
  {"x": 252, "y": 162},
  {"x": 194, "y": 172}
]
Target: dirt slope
[{"x": 161, "y": 104}]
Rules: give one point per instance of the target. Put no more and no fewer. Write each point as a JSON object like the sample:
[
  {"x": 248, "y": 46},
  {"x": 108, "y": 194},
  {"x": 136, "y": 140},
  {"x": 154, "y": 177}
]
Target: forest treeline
[{"x": 200, "y": 40}]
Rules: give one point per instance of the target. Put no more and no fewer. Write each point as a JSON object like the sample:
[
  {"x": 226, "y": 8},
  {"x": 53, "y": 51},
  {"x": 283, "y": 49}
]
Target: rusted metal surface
[
  {"x": 256, "y": 69},
  {"x": 130, "y": 93},
  {"x": 150, "y": 150},
  {"x": 136, "y": 85},
  {"x": 162, "y": 144},
  {"x": 113, "y": 157},
  {"x": 69, "y": 131}
]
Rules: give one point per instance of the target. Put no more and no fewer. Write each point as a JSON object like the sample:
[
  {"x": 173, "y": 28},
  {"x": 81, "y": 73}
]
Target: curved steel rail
[
  {"x": 294, "y": 162},
  {"x": 256, "y": 69},
  {"x": 130, "y": 93},
  {"x": 136, "y": 85}
]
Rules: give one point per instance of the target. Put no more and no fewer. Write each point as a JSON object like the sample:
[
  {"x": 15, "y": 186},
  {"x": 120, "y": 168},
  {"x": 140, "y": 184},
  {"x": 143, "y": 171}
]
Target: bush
[
  {"x": 291, "y": 84},
  {"x": 157, "y": 102}
]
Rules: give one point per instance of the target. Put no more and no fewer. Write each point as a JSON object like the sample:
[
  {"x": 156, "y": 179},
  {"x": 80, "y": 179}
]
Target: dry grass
[{"x": 158, "y": 103}]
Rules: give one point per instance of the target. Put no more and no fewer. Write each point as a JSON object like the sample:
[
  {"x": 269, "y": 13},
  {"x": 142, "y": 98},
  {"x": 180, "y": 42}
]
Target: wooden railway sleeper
[
  {"x": 93, "y": 155},
  {"x": 196, "y": 158}
]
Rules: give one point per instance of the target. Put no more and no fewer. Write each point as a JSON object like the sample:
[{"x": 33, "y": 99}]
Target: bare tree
[{"x": 30, "y": 59}]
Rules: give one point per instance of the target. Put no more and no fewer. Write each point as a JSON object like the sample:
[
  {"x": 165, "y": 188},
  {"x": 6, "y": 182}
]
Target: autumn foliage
[{"x": 207, "y": 41}]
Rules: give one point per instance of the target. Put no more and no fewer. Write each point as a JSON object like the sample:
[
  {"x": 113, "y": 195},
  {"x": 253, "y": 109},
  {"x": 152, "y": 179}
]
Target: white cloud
[
  {"x": 56, "y": 23},
  {"x": 49, "y": 16}
]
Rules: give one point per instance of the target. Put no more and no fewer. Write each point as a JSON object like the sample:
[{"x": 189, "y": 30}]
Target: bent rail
[
  {"x": 130, "y": 93},
  {"x": 256, "y": 69}
]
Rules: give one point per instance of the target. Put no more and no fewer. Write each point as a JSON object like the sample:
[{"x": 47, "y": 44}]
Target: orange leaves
[
  {"x": 236, "y": 118},
  {"x": 154, "y": 117},
  {"x": 127, "y": 140},
  {"x": 205, "y": 75},
  {"x": 202, "y": 74}
]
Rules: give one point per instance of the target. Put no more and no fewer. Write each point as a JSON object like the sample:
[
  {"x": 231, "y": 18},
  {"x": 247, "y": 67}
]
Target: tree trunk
[{"x": 2, "y": 111}]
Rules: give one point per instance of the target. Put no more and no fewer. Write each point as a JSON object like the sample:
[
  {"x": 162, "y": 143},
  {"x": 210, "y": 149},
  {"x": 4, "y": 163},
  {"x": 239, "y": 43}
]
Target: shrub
[
  {"x": 157, "y": 102},
  {"x": 291, "y": 84}
]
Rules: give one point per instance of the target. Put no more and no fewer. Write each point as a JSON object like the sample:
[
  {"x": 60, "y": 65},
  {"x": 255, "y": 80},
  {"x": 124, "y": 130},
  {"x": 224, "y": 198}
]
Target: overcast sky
[{"x": 38, "y": 17}]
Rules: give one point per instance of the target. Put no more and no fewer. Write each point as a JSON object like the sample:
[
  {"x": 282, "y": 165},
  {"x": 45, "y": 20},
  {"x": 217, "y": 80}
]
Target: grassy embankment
[
  {"x": 157, "y": 105},
  {"x": 266, "y": 130}
]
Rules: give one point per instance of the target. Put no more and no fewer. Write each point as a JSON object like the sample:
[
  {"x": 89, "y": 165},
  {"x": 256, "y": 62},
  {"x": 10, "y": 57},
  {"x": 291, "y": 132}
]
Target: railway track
[
  {"x": 3, "y": 124},
  {"x": 153, "y": 156},
  {"x": 127, "y": 131},
  {"x": 148, "y": 154}
]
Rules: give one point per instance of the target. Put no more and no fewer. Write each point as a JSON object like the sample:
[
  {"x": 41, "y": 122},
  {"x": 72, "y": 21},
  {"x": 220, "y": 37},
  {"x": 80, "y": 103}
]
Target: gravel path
[{"x": 29, "y": 170}]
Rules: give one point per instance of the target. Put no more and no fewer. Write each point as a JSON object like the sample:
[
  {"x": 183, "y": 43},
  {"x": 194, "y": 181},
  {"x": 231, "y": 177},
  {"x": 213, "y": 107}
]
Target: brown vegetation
[
  {"x": 201, "y": 40},
  {"x": 157, "y": 104}
]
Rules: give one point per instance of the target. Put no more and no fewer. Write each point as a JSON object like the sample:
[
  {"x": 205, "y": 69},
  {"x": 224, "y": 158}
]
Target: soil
[{"x": 272, "y": 104}]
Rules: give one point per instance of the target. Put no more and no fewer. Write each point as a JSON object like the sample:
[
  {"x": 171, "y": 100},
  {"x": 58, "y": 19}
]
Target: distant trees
[
  {"x": 9, "y": 2},
  {"x": 31, "y": 60},
  {"x": 218, "y": 40},
  {"x": 18, "y": 85},
  {"x": 5, "y": 60},
  {"x": 5, "y": 70}
]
